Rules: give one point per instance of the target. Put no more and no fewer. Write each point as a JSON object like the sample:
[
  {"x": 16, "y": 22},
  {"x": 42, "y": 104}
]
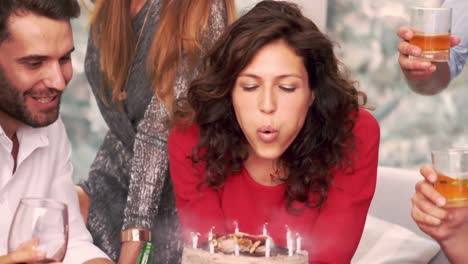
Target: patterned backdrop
[{"x": 364, "y": 30}]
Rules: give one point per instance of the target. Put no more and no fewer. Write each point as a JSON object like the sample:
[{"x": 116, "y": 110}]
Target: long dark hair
[
  {"x": 181, "y": 26},
  {"x": 326, "y": 139}
]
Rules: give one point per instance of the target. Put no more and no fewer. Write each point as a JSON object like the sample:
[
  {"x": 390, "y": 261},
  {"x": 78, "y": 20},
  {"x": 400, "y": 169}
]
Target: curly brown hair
[{"x": 326, "y": 140}]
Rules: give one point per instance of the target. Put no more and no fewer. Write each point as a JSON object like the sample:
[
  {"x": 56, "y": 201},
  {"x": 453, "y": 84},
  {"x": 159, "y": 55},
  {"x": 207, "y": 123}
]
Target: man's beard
[{"x": 13, "y": 103}]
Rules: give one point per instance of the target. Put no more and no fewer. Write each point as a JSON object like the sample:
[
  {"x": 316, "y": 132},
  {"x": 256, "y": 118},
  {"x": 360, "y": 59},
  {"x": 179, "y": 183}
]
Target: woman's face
[{"x": 271, "y": 98}]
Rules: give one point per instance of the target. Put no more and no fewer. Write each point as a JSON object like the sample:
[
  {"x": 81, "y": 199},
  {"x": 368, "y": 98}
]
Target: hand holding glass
[
  {"x": 432, "y": 27},
  {"x": 451, "y": 166},
  {"x": 42, "y": 219}
]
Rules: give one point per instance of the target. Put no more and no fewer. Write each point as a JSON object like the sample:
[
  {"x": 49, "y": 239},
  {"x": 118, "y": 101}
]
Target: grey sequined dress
[{"x": 128, "y": 183}]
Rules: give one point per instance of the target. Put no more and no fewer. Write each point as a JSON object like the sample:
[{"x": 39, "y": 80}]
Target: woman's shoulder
[
  {"x": 183, "y": 136},
  {"x": 365, "y": 122}
]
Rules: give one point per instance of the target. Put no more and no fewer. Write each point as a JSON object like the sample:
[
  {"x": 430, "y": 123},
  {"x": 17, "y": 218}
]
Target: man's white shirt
[{"x": 44, "y": 169}]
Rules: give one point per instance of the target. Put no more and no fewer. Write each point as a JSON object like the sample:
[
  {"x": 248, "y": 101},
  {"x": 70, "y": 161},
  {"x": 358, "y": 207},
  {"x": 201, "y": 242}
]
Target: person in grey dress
[{"x": 134, "y": 84}]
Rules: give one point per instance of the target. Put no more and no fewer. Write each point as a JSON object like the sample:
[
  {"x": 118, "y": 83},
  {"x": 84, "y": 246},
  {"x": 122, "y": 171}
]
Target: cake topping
[{"x": 247, "y": 244}]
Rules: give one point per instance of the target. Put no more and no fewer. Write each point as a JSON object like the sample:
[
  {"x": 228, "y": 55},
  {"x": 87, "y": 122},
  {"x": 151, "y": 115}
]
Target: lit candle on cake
[
  {"x": 289, "y": 241},
  {"x": 236, "y": 242},
  {"x": 267, "y": 247},
  {"x": 265, "y": 231},
  {"x": 288, "y": 233},
  {"x": 298, "y": 243},
  {"x": 194, "y": 239},
  {"x": 210, "y": 240},
  {"x": 290, "y": 247},
  {"x": 236, "y": 246}
]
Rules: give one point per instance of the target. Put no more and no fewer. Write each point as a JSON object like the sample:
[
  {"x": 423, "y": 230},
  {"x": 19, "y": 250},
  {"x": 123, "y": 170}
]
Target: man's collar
[
  {"x": 31, "y": 136},
  {"x": 8, "y": 125},
  {"x": 29, "y": 139},
  {"x": 28, "y": 131}
]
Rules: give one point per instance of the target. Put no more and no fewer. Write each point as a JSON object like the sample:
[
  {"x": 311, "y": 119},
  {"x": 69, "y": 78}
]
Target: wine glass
[{"x": 42, "y": 219}]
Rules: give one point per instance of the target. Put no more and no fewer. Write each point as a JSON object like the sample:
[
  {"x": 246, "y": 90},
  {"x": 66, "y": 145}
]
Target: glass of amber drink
[
  {"x": 452, "y": 175},
  {"x": 432, "y": 28}
]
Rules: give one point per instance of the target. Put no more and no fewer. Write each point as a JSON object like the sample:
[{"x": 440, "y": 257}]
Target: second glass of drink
[{"x": 452, "y": 175}]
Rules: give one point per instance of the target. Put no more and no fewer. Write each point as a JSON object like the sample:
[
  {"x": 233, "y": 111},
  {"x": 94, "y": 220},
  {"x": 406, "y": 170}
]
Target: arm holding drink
[
  {"x": 27, "y": 253},
  {"x": 449, "y": 226},
  {"x": 429, "y": 76},
  {"x": 422, "y": 76},
  {"x": 440, "y": 206}
]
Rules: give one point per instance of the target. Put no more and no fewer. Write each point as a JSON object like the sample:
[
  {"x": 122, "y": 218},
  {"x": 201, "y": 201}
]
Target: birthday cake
[{"x": 242, "y": 248}]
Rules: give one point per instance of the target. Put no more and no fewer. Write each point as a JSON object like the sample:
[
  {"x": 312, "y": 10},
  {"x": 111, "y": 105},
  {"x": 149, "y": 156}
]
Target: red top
[{"x": 330, "y": 234}]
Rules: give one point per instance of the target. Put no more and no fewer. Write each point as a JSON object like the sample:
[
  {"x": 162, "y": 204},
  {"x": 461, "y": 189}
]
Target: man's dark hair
[{"x": 53, "y": 9}]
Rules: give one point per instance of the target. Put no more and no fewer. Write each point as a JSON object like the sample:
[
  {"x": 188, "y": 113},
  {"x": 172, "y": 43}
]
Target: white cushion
[
  {"x": 392, "y": 198},
  {"x": 385, "y": 242}
]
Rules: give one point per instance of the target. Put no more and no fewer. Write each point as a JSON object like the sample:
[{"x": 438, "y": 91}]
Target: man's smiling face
[{"x": 35, "y": 68}]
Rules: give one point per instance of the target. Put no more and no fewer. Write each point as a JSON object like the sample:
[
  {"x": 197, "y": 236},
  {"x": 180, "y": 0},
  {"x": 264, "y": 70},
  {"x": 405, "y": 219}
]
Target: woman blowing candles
[{"x": 273, "y": 132}]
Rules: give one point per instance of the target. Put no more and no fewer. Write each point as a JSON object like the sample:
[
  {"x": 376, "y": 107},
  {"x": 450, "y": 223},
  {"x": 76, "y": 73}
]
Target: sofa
[{"x": 390, "y": 235}]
